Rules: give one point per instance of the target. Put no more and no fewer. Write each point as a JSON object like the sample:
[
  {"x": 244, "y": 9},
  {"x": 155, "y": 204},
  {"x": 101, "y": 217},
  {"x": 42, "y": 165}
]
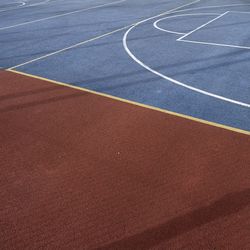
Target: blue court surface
[{"x": 187, "y": 56}]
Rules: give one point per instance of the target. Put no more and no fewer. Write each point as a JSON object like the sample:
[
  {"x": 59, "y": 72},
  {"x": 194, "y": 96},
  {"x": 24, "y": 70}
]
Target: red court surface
[{"x": 83, "y": 171}]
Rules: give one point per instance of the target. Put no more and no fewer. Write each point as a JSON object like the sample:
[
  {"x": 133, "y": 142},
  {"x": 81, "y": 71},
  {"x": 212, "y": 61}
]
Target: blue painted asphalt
[
  {"x": 104, "y": 65},
  {"x": 35, "y": 39},
  {"x": 230, "y": 29}
]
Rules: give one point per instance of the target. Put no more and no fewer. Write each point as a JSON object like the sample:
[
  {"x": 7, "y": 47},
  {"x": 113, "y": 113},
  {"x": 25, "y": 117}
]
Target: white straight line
[
  {"x": 215, "y": 44},
  {"x": 181, "y": 15},
  {"x": 176, "y": 82},
  {"x": 211, "y": 7},
  {"x": 175, "y": 10},
  {"x": 95, "y": 38},
  {"x": 205, "y": 24},
  {"x": 166, "y": 12},
  {"x": 70, "y": 47},
  {"x": 61, "y": 15}
]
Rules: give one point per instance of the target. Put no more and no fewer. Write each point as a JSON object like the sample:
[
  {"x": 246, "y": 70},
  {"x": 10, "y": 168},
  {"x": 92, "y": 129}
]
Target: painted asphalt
[
  {"x": 83, "y": 171},
  {"x": 203, "y": 74}
]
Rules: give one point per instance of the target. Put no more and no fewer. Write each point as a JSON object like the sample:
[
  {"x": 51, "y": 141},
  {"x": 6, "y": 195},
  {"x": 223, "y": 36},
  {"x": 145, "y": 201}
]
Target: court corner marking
[{"x": 237, "y": 130}]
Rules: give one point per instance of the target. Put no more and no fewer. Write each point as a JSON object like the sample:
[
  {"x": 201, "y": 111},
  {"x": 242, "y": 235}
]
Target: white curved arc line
[
  {"x": 166, "y": 12},
  {"x": 167, "y": 31},
  {"x": 175, "y": 10},
  {"x": 92, "y": 39},
  {"x": 125, "y": 45},
  {"x": 188, "y": 117},
  {"x": 25, "y": 4},
  {"x": 191, "y": 41},
  {"x": 169, "y": 17}
]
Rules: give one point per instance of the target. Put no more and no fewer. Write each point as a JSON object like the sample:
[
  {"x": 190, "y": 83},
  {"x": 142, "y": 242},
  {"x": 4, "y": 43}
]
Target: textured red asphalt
[{"x": 82, "y": 171}]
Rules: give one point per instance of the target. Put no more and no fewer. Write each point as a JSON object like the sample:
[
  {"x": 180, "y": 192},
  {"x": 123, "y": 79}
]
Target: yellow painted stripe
[{"x": 136, "y": 103}]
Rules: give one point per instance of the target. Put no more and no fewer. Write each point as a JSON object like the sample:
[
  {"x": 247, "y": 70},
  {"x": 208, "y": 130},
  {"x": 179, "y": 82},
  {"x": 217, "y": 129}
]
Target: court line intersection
[{"x": 132, "y": 26}]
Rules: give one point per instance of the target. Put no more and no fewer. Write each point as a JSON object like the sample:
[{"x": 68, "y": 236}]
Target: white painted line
[
  {"x": 214, "y": 44},
  {"x": 61, "y": 15},
  {"x": 175, "y": 10},
  {"x": 209, "y": 43},
  {"x": 25, "y": 4},
  {"x": 202, "y": 26},
  {"x": 156, "y": 23},
  {"x": 95, "y": 38},
  {"x": 167, "y": 31},
  {"x": 166, "y": 12},
  {"x": 22, "y": 3},
  {"x": 176, "y": 82},
  {"x": 194, "y": 41},
  {"x": 211, "y": 7},
  {"x": 70, "y": 47},
  {"x": 241, "y": 12}
]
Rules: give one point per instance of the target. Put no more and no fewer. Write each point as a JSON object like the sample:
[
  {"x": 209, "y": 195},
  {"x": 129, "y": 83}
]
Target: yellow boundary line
[{"x": 135, "y": 103}]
